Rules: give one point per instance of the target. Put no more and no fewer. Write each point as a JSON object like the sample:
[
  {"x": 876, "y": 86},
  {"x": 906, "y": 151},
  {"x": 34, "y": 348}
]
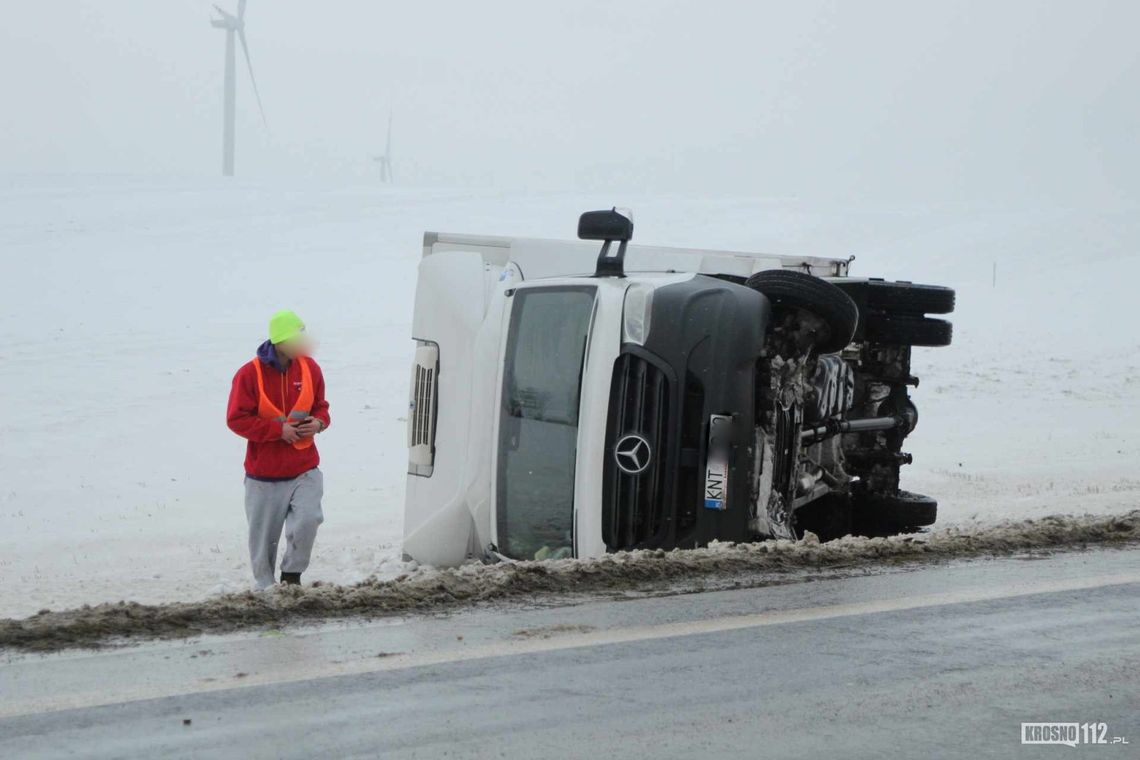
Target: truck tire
[
  {"x": 898, "y": 297},
  {"x": 906, "y": 330},
  {"x": 811, "y": 294},
  {"x": 879, "y": 514}
]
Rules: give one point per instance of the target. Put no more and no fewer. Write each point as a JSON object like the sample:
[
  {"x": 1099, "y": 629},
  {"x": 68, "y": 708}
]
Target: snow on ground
[{"x": 130, "y": 303}]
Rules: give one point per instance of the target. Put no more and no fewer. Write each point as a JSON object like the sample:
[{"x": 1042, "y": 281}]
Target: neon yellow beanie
[{"x": 284, "y": 325}]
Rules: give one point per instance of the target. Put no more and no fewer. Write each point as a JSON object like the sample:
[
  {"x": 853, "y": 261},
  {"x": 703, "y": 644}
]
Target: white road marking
[{"x": 296, "y": 671}]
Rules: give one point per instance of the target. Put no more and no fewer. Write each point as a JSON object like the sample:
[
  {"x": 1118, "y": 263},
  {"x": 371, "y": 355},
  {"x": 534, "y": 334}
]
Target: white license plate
[{"x": 716, "y": 471}]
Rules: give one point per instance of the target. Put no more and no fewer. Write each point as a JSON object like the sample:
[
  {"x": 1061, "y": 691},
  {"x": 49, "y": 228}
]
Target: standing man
[{"x": 278, "y": 404}]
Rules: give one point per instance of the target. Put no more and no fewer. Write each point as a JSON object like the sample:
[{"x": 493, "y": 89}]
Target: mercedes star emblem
[{"x": 632, "y": 454}]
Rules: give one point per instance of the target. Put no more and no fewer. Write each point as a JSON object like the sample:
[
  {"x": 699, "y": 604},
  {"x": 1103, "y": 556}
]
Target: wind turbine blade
[
  {"x": 241, "y": 10},
  {"x": 388, "y": 143},
  {"x": 225, "y": 14},
  {"x": 249, "y": 64}
]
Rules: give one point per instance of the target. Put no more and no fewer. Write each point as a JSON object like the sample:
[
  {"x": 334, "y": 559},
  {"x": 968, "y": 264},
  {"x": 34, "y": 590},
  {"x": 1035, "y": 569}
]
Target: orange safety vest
[{"x": 267, "y": 410}]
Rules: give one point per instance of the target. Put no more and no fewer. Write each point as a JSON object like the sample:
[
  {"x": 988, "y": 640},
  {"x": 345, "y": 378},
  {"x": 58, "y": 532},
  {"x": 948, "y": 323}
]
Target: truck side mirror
[{"x": 608, "y": 226}]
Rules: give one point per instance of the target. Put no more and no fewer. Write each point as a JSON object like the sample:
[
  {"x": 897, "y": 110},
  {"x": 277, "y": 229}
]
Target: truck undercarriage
[{"x": 836, "y": 422}]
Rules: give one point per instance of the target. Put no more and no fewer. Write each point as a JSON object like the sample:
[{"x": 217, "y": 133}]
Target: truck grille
[{"x": 634, "y": 504}]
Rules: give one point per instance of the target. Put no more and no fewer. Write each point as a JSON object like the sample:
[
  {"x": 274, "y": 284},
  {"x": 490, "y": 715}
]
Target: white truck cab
[{"x": 563, "y": 403}]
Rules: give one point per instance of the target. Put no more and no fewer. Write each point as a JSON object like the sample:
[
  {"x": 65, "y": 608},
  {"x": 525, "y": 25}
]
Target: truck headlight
[{"x": 638, "y": 305}]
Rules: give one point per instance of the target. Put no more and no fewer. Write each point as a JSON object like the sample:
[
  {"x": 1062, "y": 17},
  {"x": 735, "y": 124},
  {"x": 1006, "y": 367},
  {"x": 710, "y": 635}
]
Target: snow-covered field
[{"x": 128, "y": 305}]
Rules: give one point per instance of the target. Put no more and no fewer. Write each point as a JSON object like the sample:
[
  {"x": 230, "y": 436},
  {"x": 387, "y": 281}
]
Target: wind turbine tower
[
  {"x": 385, "y": 160},
  {"x": 234, "y": 25}
]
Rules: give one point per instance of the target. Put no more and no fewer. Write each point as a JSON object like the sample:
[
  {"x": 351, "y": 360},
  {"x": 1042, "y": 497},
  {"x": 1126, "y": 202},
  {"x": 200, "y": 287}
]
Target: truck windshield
[{"x": 538, "y": 426}]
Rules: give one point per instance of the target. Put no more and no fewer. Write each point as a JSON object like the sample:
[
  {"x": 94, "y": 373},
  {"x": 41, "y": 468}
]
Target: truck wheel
[
  {"x": 879, "y": 514},
  {"x": 797, "y": 290},
  {"x": 905, "y": 330},
  {"x": 898, "y": 297}
]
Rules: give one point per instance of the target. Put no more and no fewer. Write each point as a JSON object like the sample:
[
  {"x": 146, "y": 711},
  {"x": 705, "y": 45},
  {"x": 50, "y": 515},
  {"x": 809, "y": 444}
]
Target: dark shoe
[{"x": 291, "y": 579}]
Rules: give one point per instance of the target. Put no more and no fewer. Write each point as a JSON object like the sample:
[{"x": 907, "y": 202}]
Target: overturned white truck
[{"x": 568, "y": 403}]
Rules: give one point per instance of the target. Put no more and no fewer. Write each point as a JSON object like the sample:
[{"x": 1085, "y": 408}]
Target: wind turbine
[
  {"x": 385, "y": 160},
  {"x": 233, "y": 25}
]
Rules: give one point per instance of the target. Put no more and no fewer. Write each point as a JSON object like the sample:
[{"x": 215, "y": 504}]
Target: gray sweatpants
[{"x": 294, "y": 505}]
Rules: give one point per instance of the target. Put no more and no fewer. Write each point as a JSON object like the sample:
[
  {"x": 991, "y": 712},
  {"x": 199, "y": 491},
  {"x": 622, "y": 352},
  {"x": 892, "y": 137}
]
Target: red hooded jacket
[{"x": 267, "y": 457}]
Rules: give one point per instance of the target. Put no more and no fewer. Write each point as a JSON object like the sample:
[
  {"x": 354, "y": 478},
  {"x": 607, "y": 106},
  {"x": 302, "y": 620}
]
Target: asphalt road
[{"x": 944, "y": 661}]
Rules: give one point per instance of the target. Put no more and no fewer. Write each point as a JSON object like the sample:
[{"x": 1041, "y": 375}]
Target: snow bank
[{"x": 642, "y": 571}]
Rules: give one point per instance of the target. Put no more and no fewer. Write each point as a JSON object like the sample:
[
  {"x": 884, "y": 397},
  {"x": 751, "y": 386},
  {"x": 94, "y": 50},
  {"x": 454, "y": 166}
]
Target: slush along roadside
[{"x": 428, "y": 589}]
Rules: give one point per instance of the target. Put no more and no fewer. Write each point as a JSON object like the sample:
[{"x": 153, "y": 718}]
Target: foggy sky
[{"x": 958, "y": 100}]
